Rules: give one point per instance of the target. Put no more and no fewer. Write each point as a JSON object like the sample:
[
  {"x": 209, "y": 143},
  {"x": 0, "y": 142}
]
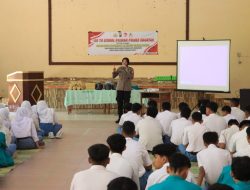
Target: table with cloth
[{"x": 95, "y": 97}]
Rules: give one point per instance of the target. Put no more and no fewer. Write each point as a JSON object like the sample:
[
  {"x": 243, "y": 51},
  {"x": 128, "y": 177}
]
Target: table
[
  {"x": 161, "y": 96},
  {"x": 95, "y": 97}
]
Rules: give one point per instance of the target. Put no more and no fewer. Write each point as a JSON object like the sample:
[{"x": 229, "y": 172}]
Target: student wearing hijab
[
  {"x": 24, "y": 130},
  {"x": 5, "y": 159},
  {"x": 4, "y": 117},
  {"x": 48, "y": 120},
  {"x": 10, "y": 146}
]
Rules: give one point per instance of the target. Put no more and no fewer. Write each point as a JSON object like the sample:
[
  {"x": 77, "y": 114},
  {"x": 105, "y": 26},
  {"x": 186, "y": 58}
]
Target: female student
[
  {"x": 4, "y": 116},
  {"x": 5, "y": 159}
]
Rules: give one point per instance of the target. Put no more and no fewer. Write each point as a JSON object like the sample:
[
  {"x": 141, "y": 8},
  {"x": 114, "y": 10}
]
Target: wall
[{"x": 24, "y": 38}]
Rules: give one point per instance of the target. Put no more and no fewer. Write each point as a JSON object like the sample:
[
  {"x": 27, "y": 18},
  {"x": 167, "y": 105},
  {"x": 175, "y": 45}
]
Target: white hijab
[
  {"x": 22, "y": 124},
  {"x": 4, "y": 117},
  {"x": 46, "y": 114},
  {"x": 26, "y": 104}
]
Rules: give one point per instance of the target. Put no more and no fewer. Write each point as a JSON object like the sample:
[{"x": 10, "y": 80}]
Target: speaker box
[{"x": 244, "y": 98}]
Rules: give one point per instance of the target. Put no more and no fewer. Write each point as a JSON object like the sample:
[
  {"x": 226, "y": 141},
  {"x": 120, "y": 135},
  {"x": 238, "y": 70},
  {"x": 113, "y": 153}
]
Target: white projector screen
[{"x": 203, "y": 65}]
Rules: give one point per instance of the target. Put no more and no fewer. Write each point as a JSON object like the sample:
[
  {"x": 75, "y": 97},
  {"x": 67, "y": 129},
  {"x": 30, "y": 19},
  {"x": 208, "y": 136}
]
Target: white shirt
[
  {"x": 238, "y": 113},
  {"x": 165, "y": 118},
  {"x": 123, "y": 116},
  {"x": 133, "y": 117},
  {"x": 213, "y": 159},
  {"x": 135, "y": 152},
  {"x": 226, "y": 135},
  {"x": 243, "y": 152},
  {"x": 161, "y": 174},
  {"x": 238, "y": 141},
  {"x": 95, "y": 178},
  {"x": 215, "y": 123},
  {"x": 150, "y": 132},
  {"x": 193, "y": 136},
  {"x": 122, "y": 167},
  {"x": 176, "y": 130},
  {"x": 228, "y": 117}
]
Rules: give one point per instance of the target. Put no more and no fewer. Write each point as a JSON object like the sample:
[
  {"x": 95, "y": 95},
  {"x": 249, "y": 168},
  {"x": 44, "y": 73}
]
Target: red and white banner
[{"x": 120, "y": 43}]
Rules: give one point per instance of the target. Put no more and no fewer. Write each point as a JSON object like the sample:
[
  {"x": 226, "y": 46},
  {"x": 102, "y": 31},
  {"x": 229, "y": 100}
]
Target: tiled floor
[{"x": 53, "y": 167}]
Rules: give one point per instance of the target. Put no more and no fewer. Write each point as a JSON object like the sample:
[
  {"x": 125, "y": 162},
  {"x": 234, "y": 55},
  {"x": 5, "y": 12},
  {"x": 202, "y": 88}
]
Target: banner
[{"x": 120, "y": 43}]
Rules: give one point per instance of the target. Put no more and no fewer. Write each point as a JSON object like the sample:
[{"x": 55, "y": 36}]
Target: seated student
[
  {"x": 245, "y": 151},
  {"x": 192, "y": 137},
  {"x": 48, "y": 120},
  {"x": 5, "y": 159},
  {"x": 26, "y": 104},
  {"x": 122, "y": 183},
  {"x": 135, "y": 116},
  {"x": 4, "y": 117},
  {"x": 226, "y": 113},
  {"x": 247, "y": 112},
  {"x": 238, "y": 140},
  {"x": 212, "y": 159},
  {"x": 118, "y": 164},
  {"x": 181, "y": 106},
  {"x": 218, "y": 186},
  {"x": 24, "y": 130},
  {"x": 149, "y": 129},
  {"x": 151, "y": 103},
  {"x": 227, "y": 133},
  {"x": 97, "y": 177},
  {"x": 135, "y": 152},
  {"x": 202, "y": 107},
  {"x": 213, "y": 121},
  {"x": 177, "y": 126},
  {"x": 127, "y": 111},
  {"x": 10, "y": 145},
  {"x": 179, "y": 166},
  {"x": 166, "y": 117},
  {"x": 236, "y": 111}
]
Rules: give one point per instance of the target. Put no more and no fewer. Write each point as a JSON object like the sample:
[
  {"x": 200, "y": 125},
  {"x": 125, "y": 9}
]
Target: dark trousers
[{"x": 122, "y": 98}]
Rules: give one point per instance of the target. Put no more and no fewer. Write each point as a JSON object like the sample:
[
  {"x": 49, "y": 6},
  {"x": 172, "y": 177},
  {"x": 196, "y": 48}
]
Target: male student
[
  {"x": 237, "y": 175},
  {"x": 226, "y": 113},
  {"x": 226, "y": 134},
  {"x": 181, "y": 106},
  {"x": 97, "y": 177},
  {"x": 128, "y": 111},
  {"x": 135, "y": 152},
  {"x": 122, "y": 183},
  {"x": 212, "y": 159},
  {"x": 135, "y": 116},
  {"x": 213, "y": 121},
  {"x": 166, "y": 117},
  {"x": 247, "y": 112},
  {"x": 118, "y": 164},
  {"x": 245, "y": 151},
  {"x": 177, "y": 126},
  {"x": 192, "y": 138},
  {"x": 179, "y": 166},
  {"x": 150, "y": 130},
  {"x": 236, "y": 111},
  {"x": 238, "y": 141}
]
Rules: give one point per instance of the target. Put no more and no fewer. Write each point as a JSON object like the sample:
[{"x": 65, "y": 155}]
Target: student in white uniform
[
  {"x": 150, "y": 130},
  {"x": 151, "y": 103},
  {"x": 226, "y": 113},
  {"x": 135, "y": 116},
  {"x": 4, "y": 116},
  {"x": 177, "y": 126},
  {"x": 238, "y": 141},
  {"x": 214, "y": 122},
  {"x": 162, "y": 154},
  {"x": 135, "y": 152},
  {"x": 226, "y": 134},
  {"x": 245, "y": 151},
  {"x": 118, "y": 164},
  {"x": 181, "y": 106},
  {"x": 192, "y": 139},
  {"x": 166, "y": 117},
  {"x": 122, "y": 183},
  {"x": 97, "y": 177},
  {"x": 236, "y": 111},
  {"x": 127, "y": 110},
  {"x": 247, "y": 112},
  {"x": 212, "y": 159}
]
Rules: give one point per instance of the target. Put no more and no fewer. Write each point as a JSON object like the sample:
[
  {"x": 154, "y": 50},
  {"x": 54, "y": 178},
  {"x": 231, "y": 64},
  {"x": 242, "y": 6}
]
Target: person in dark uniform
[{"x": 126, "y": 74}]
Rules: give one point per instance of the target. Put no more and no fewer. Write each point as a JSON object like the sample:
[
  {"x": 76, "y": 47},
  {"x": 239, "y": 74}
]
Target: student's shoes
[
  {"x": 59, "y": 134},
  {"x": 51, "y": 135},
  {"x": 117, "y": 121}
]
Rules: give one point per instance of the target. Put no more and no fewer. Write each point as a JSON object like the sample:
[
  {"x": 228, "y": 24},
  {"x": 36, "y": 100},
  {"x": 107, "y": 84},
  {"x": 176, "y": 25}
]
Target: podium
[{"x": 25, "y": 86}]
